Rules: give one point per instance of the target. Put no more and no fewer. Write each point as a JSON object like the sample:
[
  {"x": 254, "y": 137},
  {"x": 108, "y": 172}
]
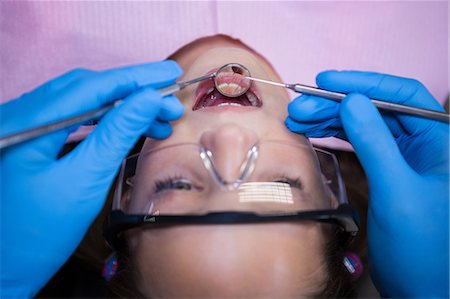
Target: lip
[{"x": 208, "y": 86}]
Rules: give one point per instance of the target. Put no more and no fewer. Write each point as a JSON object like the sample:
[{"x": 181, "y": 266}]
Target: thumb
[
  {"x": 372, "y": 140},
  {"x": 106, "y": 147}
]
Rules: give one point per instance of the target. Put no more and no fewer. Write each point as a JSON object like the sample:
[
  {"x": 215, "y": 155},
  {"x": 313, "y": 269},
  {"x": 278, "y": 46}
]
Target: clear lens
[
  {"x": 231, "y": 81},
  {"x": 279, "y": 178}
]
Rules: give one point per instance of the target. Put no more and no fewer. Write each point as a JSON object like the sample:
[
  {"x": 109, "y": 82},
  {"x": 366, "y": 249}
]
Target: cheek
[{"x": 274, "y": 260}]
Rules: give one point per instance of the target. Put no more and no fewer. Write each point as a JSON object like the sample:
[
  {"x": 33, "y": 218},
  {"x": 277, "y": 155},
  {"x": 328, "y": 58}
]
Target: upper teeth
[{"x": 230, "y": 88}]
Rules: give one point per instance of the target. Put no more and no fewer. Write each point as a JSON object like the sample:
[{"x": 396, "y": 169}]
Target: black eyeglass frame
[{"x": 344, "y": 216}]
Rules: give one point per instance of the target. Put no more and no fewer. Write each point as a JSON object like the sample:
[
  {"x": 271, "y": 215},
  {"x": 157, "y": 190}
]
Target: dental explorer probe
[
  {"x": 384, "y": 105},
  {"x": 19, "y": 137}
]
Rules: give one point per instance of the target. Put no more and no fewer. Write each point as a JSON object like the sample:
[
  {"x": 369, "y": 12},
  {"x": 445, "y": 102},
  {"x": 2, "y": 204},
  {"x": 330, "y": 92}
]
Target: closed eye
[
  {"x": 293, "y": 182},
  {"x": 178, "y": 184}
]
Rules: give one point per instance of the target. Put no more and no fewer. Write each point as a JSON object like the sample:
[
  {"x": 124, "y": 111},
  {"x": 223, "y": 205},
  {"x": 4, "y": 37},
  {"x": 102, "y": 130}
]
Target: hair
[{"x": 340, "y": 284}]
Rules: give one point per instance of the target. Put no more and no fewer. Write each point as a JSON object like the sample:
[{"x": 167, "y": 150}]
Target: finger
[
  {"x": 105, "y": 148},
  {"x": 171, "y": 109},
  {"x": 380, "y": 86},
  {"x": 329, "y": 128},
  {"x": 44, "y": 150},
  {"x": 384, "y": 87},
  {"x": 59, "y": 83},
  {"x": 159, "y": 130},
  {"x": 311, "y": 110},
  {"x": 87, "y": 93},
  {"x": 308, "y": 108},
  {"x": 393, "y": 124},
  {"x": 65, "y": 79},
  {"x": 56, "y": 84},
  {"x": 372, "y": 140},
  {"x": 90, "y": 92}
]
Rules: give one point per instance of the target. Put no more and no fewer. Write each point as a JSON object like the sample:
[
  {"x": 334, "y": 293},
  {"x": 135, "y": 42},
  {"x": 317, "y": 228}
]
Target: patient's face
[{"x": 277, "y": 260}]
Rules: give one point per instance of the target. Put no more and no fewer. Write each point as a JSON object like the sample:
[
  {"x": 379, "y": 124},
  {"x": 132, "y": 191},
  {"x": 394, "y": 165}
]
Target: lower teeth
[
  {"x": 229, "y": 104},
  {"x": 252, "y": 98}
]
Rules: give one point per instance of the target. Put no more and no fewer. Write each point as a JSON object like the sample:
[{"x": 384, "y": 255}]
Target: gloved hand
[
  {"x": 47, "y": 204},
  {"x": 406, "y": 160}
]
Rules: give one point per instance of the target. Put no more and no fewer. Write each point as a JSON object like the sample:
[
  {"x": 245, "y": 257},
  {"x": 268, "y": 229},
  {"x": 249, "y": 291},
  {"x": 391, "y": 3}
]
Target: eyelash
[
  {"x": 293, "y": 182},
  {"x": 170, "y": 184}
]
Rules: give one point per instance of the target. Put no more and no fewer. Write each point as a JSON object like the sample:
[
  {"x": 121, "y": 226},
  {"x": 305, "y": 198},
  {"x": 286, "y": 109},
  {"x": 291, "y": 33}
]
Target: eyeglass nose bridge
[{"x": 245, "y": 170}]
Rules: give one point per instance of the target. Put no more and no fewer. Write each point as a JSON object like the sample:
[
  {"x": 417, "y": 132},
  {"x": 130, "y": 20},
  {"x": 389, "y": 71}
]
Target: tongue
[{"x": 216, "y": 98}]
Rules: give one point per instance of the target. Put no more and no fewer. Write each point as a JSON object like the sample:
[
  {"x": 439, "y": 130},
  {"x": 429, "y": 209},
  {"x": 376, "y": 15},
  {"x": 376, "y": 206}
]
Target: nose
[{"x": 229, "y": 145}]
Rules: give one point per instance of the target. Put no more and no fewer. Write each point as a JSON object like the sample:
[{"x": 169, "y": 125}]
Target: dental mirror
[{"x": 231, "y": 80}]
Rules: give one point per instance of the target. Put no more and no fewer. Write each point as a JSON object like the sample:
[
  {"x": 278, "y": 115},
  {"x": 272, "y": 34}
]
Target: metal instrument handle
[
  {"x": 383, "y": 105},
  {"x": 18, "y": 137}
]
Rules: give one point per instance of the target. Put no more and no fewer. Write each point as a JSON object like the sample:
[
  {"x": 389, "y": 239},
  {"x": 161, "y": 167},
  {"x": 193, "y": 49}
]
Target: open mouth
[{"x": 208, "y": 96}]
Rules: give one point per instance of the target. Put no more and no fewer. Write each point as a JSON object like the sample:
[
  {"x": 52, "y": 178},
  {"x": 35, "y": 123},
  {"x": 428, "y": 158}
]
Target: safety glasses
[{"x": 188, "y": 184}]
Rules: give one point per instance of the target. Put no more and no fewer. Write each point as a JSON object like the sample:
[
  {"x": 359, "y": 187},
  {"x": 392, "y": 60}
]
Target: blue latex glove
[
  {"x": 47, "y": 204},
  {"x": 406, "y": 160}
]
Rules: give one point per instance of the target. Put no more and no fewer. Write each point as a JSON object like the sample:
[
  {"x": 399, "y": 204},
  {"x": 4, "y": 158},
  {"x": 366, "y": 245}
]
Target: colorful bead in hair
[
  {"x": 110, "y": 267},
  {"x": 353, "y": 264}
]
